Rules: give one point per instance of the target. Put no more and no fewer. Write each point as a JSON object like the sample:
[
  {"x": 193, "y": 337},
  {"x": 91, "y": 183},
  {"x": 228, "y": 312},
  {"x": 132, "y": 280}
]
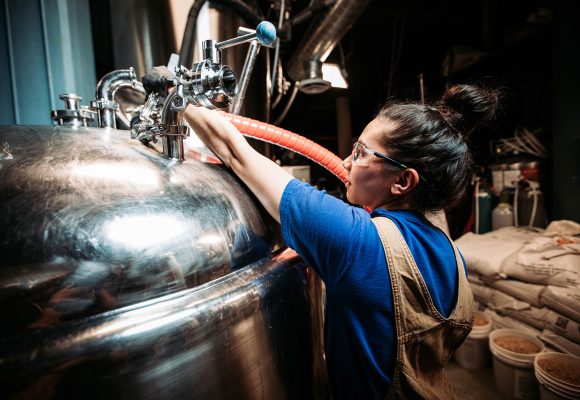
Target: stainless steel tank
[{"x": 124, "y": 274}]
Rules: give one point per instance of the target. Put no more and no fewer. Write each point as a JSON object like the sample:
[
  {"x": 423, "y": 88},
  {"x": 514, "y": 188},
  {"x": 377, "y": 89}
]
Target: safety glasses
[{"x": 361, "y": 156}]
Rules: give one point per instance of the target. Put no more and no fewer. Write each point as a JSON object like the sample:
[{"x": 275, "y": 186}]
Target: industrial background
[
  {"x": 394, "y": 50},
  {"x": 126, "y": 273}
]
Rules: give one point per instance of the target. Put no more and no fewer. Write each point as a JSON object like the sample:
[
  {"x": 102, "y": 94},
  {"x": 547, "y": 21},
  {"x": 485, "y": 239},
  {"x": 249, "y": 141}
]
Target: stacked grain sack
[{"x": 529, "y": 280}]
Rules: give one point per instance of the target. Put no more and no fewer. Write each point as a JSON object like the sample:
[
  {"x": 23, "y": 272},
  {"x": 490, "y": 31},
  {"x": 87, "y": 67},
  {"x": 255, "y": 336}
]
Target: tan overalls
[{"x": 425, "y": 339}]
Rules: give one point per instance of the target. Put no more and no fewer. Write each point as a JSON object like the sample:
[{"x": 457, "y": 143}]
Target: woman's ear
[{"x": 405, "y": 182}]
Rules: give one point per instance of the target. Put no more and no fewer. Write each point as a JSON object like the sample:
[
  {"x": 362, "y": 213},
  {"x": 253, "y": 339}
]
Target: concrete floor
[{"x": 473, "y": 385}]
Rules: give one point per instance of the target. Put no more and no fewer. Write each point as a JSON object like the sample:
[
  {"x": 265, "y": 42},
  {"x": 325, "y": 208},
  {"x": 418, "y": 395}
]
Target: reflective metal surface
[
  {"x": 253, "y": 334},
  {"x": 91, "y": 221},
  {"x": 127, "y": 275}
]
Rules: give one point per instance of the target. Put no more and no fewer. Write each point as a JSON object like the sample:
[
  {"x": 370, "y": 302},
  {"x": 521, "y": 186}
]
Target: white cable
[
  {"x": 516, "y": 223},
  {"x": 477, "y": 205},
  {"x": 511, "y": 146},
  {"x": 535, "y": 204},
  {"x": 288, "y": 105},
  {"x": 282, "y": 11},
  {"x": 534, "y": 136},
  {"x": 528, "y": 141},
  {"x": 525, "y": 141},
  {"x": 536, "y": 142},
  {"x": 531, "y": 140},
  {"x": 517, "y": 136}
]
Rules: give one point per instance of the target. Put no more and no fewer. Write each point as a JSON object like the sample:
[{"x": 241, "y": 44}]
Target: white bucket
[
  {"x": 473, "y": 354},
  {"x": 514, "y": 372},
  {"x": 553, "y": 386}
]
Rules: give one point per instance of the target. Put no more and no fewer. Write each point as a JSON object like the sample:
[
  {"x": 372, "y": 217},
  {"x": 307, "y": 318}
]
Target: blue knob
[{"x": 266, "y": 33}]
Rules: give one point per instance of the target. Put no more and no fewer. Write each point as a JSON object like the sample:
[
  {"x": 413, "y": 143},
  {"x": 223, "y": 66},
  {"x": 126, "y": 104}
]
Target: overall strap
[
  {"x": 410, "y": 293},
  {"x": 425, "y": 338},
  {"x": 416, "y": 295}
]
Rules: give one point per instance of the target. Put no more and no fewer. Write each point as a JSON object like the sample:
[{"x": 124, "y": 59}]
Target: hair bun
[{"x": 465, "y": 107}]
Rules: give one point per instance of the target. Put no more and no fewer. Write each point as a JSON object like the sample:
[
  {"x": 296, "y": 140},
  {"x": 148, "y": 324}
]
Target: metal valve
[
  {"x": 208, "y": 84},
  {"x": 265, "y": 34},
  {"x": 73, "y": 114},
  {"x": 212, "y": 85}
]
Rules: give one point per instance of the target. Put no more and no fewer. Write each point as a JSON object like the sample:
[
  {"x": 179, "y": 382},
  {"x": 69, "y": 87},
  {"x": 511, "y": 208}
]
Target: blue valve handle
[{"x": 266, "y": 33}]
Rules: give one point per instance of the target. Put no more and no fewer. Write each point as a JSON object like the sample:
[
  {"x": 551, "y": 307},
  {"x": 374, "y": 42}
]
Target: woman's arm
[{"x": 265, "y": 178}]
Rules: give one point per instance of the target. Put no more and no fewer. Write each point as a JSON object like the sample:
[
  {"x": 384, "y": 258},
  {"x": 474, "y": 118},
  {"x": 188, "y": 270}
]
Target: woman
[{"x": 398, "y": 302}]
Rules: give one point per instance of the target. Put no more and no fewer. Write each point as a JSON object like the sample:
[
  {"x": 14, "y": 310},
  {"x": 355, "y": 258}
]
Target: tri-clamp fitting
[
  {"x": 208, "y": 84},
  {"x": 213, "y": 85},
  {"x": 72, "y": 114},
  {"x": 104, "y": 106}
]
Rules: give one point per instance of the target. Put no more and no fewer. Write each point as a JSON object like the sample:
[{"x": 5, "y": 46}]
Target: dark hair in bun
[
  {"x": 432, "y": 139},
  {"x": 465, "y": 107}
]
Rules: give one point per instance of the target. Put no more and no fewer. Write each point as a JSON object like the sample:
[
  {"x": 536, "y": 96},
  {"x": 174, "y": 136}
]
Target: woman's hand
[{"x": 157, "y": 80}]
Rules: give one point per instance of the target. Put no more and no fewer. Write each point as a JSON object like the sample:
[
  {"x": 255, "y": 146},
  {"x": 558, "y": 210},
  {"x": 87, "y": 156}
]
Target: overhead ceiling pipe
[
  {"x": 321, "y": 39},
  {"x": 250, "y": 12}
]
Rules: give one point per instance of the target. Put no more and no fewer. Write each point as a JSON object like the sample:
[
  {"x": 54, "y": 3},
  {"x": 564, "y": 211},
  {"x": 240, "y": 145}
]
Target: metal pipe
[
  {"x": 237, "y": 40},
  {"x": 288, "y": 105},
  {"x": 106, "y": 88},
  {"x": 344, "y": 126},
  {"x": 210, "y": 52},
  {"x": 275, "y": 67},
  {"x": 265, "y": 34},
  {"x": 323, "y": 37},
  {"x": 245, "y": 78},
  {"x": 114, "y": 80},
  {"x": 173, "y": 138},
  {"x": 246, "y": 11},
  {"x": 422, "y": 88}
]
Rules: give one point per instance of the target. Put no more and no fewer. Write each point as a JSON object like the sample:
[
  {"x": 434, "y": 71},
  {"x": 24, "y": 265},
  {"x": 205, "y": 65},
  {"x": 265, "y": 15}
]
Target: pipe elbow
[{"x": 114, "y": 80}]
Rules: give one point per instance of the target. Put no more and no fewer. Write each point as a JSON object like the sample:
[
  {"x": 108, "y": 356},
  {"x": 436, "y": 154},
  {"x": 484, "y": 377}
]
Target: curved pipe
[
  {"x": 106, "y": 88},
  {"x": 122, "y": 121},
  {"x": 289, "y": 140},
  {"x": 251, "y": 15},
  {"x": 114, "y": 80},
  {"x": 173, "y": 139}
]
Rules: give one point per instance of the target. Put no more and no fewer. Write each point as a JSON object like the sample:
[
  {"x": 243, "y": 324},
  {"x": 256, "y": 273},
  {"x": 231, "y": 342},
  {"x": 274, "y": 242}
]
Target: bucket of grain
[
  {"x": 513, "y": 362},
  {"x": 473, "y": 354},
  {"x": 558, "y": 375}
]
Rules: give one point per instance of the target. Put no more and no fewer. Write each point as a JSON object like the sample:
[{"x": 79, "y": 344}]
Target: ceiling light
[{"x": 333, "y": 74}]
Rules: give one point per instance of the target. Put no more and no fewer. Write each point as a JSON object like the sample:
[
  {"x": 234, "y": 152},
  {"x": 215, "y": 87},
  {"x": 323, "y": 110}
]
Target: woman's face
[{"x": 368, "y": 181}]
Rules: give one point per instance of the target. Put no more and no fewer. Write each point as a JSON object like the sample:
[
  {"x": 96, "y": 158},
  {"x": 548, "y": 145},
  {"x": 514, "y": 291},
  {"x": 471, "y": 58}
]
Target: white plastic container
[
  {"x": 552, "y": 386},
  {"x": 514, "y": 372},
  {"x": 501, "y": 216},
  {"x": 474, "y": 353}
]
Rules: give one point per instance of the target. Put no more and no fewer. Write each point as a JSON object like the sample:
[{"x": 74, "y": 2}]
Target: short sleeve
[{"x": 325, "y": 231}]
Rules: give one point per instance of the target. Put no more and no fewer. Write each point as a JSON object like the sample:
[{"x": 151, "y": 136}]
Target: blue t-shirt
[{"x": 342, "y": 244}]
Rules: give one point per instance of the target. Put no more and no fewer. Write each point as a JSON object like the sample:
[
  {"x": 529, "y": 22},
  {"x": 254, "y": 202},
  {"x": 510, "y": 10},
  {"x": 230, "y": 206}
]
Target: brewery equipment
[{"x": 129, "y": 271}]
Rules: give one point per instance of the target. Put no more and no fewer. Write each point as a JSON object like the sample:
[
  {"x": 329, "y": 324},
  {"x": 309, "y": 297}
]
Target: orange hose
[{"x": 288, "y": 140}]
